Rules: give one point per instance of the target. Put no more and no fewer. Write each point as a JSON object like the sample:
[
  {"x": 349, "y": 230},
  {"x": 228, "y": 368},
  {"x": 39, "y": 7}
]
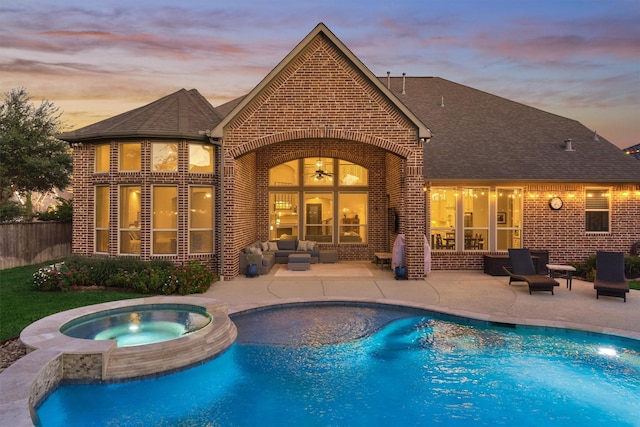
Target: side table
[{"x": 564, "y": 271}]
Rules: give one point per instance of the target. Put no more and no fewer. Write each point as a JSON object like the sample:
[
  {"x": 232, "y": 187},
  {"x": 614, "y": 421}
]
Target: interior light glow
[{"x": 133, "y": 327}]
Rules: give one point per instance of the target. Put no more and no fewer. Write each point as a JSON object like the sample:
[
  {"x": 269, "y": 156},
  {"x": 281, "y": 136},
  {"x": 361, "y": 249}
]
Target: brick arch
[{"x": 321, "y": 133}]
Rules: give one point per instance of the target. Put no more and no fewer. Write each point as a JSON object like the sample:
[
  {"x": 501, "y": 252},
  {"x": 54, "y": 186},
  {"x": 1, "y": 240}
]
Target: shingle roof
[
  {"x": 480, "y": 136},
  {"x": 182, "y": 114}
]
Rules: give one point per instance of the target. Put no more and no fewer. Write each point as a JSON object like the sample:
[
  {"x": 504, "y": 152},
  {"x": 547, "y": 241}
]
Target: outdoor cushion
[{"x": 287, "y": 245}]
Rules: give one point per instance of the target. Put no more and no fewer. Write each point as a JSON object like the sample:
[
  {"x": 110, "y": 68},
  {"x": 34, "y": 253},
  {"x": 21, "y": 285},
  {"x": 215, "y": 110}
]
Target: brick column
[{"x": 414, "y": 215}]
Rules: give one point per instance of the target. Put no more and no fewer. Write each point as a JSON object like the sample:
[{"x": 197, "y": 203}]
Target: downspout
[{"x": 219, "y": 156}]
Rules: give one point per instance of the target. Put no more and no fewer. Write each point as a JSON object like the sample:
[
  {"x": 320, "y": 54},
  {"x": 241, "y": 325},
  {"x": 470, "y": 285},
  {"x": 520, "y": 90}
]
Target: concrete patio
[{"x": 466, "y": 293}]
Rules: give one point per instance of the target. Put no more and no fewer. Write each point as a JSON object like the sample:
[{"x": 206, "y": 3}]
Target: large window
[
  {"x": 164, "y": 157},
  {"x": 129, "y": 219},
  {"x": 312, "y": 203},
  {"x": 469, "y": 218},
  {"x": 102, "y": 158},
  {"x": 509, "y": 218},
  {"x": 102, "y": 219},
  {"x": 164, "y": 232},
  {"x": 201, "y": 220},
  {"x": 597, "y": 210},
  {"x": 129, "y": 157},
  {"x": 201, "y": 158}
]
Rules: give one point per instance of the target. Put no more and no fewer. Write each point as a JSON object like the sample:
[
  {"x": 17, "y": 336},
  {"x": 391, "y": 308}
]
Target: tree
[{"x": 31, "y": 157}]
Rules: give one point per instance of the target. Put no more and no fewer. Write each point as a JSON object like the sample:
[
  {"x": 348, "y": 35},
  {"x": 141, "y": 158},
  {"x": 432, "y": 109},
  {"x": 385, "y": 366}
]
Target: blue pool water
[
  {"x": 355, "y": 365},
  {"x": 140, "y": 324}
]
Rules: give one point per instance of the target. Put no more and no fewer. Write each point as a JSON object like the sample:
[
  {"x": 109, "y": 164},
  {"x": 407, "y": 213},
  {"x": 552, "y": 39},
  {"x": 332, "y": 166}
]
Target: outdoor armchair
[
  {"x": 523, "y": 270},
  {"x": 610, "y": 279}
]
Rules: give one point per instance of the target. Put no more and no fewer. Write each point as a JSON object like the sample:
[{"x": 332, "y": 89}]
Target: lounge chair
[
  {"x": 610, "y": 280},
  {"x": 523, "y": 270}
]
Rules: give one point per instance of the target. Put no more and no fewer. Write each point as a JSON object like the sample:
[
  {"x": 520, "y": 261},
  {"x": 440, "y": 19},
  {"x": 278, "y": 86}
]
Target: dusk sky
[{"x": 576, "y": 58}]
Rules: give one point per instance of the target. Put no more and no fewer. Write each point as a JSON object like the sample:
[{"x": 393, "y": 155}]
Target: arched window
[{"x": 319, "y": 199}]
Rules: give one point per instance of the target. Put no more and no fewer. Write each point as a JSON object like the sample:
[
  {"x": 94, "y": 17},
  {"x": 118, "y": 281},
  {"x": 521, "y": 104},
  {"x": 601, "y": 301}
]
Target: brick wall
[{"x": 321, "y": 97}]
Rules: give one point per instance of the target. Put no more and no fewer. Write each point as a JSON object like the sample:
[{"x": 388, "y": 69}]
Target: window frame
[{"x": 607, "y": 196}]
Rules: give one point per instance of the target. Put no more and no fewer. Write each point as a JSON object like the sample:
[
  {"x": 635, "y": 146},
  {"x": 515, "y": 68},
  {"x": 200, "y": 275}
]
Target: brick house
[{"x": 324, "y": 150}]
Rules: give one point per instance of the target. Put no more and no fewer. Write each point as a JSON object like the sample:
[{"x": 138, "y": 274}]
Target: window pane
[
  {"x": 353, "y": 219},
  {"x": 130, "y": 157},
  {"x": 164, "y": 157},
  {"x": 314, "y": 165},
  {"x": 318, "y": 217},
  {"x": 508, "y": 239},
  {"x": 102, "y": 158},
  {"x": 352, "y": 174},
  {"x": 129, "y": 219},
  {"x": 164, "y": 242},
  {"x": 102, "y": 219},
  {"x": 284, "y": 174},
  {"x": 165, "y": 205},
  {"x": 165, "y": 220},
  {"x": 201, "y": 158},
  {"x": 597, "y": 221},
  {"x": 283, "y": 214},
  {"x": 443, "y": 218},
  {"x": 201, "y": 220}
]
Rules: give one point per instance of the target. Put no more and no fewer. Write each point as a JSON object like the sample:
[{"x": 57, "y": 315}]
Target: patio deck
[{"x": 466, "y": 293}]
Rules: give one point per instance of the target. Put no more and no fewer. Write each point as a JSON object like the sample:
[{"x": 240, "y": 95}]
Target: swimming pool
[{"x": 355, "y": 364}]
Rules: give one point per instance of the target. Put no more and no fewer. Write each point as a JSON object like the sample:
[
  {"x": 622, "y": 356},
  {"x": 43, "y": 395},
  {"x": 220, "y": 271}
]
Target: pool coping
[{"x": 17, "y": 407}]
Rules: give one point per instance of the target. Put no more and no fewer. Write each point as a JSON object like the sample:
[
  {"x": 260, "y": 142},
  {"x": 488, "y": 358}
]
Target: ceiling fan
[{"x": 320, "y": 173}]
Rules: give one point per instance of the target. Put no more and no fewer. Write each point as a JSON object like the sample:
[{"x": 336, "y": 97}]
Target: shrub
[
  {"x": 587, "y": 268},
  {"x": 11, "y": 211},
  {"x": 61, "y": 212},
  {"x": 158, "y": 277}
]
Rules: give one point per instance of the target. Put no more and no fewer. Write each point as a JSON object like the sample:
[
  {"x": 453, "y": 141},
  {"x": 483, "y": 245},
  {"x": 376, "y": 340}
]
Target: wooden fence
[{"x": 33, "y": 242}]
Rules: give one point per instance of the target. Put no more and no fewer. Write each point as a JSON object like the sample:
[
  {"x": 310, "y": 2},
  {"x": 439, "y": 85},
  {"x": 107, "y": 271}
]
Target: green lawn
[
  {"x": 635, "y": 285},
  {"x": 20, "y": 305}
]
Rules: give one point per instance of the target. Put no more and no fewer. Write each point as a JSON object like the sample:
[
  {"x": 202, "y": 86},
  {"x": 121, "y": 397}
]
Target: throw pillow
[
  {"x": 264, "y": 246},
  {"x": 273, "y": 246},
  {"x": 302, "y": 246},
  {"x": 311, "y": 245},
  {"x": 255, "y": 251}
]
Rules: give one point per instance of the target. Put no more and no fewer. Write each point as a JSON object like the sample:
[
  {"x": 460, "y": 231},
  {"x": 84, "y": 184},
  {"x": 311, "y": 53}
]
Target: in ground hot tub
[
  {"x": 135, "y": 338},
  {"x": 139, "y": 325}
]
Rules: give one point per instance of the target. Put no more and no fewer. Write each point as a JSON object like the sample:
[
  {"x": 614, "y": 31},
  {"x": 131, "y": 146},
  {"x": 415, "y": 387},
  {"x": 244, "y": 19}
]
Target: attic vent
[
  {"x": 567, "y": 145},
  {"x": 595, "y": 136},
  {"x": 442, "y": 101}
]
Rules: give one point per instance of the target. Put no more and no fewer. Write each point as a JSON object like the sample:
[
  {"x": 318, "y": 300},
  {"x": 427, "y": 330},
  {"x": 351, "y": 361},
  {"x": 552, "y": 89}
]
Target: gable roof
[
  {"x": 218, "y": 130},
  {"x": 183, "y": 114},
  {"x": 480, "y": 136}
]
